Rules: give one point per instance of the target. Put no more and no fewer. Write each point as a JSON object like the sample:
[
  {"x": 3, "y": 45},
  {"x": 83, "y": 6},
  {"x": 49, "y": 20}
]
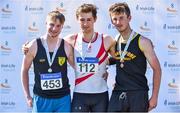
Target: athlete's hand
[
  {"x": 25, "y": 49},
  {"x": 152, "y": 103},
  {"x": 105, "y": 75},
  {"x": 29, "y": 101}
]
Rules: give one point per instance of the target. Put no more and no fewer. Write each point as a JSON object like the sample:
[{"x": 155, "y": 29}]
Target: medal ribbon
[
  {"x": 80, "y": 48},
  {"x": 50, "y": 61},
  {"x": 122, "y": 54}
]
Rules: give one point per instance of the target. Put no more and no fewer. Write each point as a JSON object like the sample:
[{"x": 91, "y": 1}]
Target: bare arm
[
  {"x": 26, "y": 64},
  {"x": 70, "y": 53},
  {"x": 152, "y": 59},
  {"x": 70, "y": 39},
  {"x": 109, "y": 44},
  {"x": 25, "y": 48}
]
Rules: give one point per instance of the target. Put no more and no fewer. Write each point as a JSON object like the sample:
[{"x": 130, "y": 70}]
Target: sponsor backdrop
[{"x": 24, "y": 20}]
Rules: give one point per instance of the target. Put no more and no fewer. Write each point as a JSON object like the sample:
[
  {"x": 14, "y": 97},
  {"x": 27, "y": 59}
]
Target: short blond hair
[{"x": 53, "y": 15}]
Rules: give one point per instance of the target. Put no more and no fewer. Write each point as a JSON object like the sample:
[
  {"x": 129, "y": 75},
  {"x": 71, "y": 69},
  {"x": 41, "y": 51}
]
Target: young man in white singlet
[{"x": 91, "y": 55}]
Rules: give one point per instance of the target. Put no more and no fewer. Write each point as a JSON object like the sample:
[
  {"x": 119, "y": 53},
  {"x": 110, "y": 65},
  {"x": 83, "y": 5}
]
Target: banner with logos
[{"x": 24, "y": 20}]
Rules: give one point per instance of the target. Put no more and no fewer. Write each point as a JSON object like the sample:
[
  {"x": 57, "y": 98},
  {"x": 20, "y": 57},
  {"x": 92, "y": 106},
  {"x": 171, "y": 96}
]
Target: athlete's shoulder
[
  {"x": 145, "y": 43},
  {"x": 32, "y": 47},
  {"x": 145, "y": 40},
  {"x": 32, "y": 43},
  {"x": 109, "y": 39},
  {"x": 107, "y": 36},
  {"x": 70, "y": 38}
]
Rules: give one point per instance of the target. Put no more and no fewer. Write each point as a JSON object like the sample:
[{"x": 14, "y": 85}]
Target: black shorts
[
  {"x": 130, "y": 101},
  {"x": 83, "y": 102}
]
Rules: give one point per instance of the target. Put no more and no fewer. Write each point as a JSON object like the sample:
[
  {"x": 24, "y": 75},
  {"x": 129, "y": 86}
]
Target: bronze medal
[{"x": 121, "y": 65}]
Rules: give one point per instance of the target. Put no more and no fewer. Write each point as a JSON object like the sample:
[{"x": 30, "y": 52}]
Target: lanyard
[
  {"x": 50, "y": 61},
  {"x": 80, "y": 48},
  {"x": 122, "y": 54}
]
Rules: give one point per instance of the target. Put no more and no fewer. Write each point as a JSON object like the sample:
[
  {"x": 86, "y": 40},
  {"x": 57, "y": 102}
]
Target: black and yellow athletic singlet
[
  {"x": 53, "y": 84},
  {"x": 132, "y": 75}
]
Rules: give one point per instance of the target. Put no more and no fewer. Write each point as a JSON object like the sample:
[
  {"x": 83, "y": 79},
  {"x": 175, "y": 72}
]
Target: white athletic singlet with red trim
[{"x": 90, "y": 61}]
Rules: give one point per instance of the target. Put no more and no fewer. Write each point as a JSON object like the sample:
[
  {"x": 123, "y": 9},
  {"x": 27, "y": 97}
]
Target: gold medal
[{"x": 50, "y": 70}]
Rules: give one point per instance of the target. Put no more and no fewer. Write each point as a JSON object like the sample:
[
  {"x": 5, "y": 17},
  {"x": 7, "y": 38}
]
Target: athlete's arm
[
  {"x": 26, "y": 64},
  {"x": 25, "y": 48},
  {"x": 147, "y": 48},
  {"x": 112, "y": 61},
  {"x": 109, "y": 44},
  {"x": 70, "y": 53}
]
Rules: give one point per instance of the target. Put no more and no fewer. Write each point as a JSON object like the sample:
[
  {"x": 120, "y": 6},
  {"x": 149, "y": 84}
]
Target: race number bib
[
  {"x": 89, "y": 64},
  {"x": 51, "y": 81}
]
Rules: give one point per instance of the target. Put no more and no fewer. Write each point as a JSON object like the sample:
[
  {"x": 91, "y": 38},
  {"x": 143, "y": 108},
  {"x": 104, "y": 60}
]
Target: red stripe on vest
[
  {"x": 102, "y": 60},
  {"x": 79, "y": 80},
  {"x": 101, "y": 51}
]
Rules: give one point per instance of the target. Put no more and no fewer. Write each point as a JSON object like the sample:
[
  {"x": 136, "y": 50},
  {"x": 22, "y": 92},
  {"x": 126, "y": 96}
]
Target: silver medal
[{"x": 50, "y": 70}]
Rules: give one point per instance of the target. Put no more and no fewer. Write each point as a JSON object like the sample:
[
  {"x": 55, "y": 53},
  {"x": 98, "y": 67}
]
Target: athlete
[
  {"x": 130, "y": 93},
  {"x": 91, "y": 57},
  {"x": 49, "y": 55}
]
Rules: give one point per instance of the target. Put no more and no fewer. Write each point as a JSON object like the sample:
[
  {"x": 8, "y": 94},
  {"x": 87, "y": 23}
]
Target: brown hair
[
  {"x": 118, "y": 8},
  {"x": 86, "y": 8},
  {"x": 56, "y": 15}
]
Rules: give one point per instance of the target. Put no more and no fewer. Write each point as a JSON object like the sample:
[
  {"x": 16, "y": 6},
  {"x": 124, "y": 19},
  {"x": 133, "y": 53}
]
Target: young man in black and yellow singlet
[{"x": 130, "y": 93}]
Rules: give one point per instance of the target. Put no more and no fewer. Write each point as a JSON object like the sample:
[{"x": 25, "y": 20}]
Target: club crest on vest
[{"x": 61, "y": 60}]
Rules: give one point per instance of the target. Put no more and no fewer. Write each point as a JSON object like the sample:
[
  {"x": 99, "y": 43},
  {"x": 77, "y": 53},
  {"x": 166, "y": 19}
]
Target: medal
[
  {"x": 123, "y": 52},
  {"x": 121, "y": 65},
  {"x": 50, "y": 60},
  {"x": 50, "y": 70}
]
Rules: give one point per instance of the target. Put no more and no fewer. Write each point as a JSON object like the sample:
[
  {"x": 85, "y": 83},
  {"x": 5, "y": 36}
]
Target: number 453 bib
[
  {"x": 88, "y": 64},
  {"x": 51, "y": 81}
]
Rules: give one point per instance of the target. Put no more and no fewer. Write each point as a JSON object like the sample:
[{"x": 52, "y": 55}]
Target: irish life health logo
[
  {"x": 5, "y": 49},
  {"x": 6, "y": 9},
  {"x": 33, "y": 27},
  {"x": 173, "y": 48},
  {"x": 172, "y": 10},
  {"x": 34, "y": 10},
  {"x": 145, "y": 27},
  {"x": 145, "y": 9},
  {"x": 173, "y": 28},
  {"x": 5, "y": 84}
]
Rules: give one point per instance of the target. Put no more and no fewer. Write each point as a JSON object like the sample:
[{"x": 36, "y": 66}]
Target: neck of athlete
[
  {"x": 126, "y": 34},
  {"x": 88, "y": 36},
  {"x": 51, "y": 42},
  {"x": 52, "y": 39}
]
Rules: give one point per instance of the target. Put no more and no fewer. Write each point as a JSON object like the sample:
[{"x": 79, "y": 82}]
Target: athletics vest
[
  {"x": 90, "y": 65},
  {"x": 132, "y": 75},
  {"x": 55, "y": 84}
]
